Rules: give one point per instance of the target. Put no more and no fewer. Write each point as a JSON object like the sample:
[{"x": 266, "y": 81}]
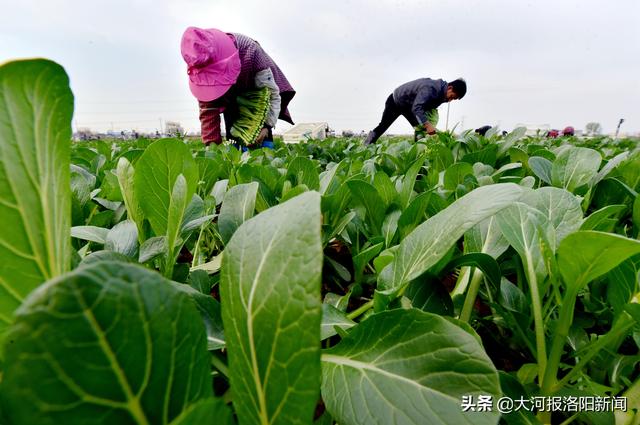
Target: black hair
[{"x": 459, "y": 86}]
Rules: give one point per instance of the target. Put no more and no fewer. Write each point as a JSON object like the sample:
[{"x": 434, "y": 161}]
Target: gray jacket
[{"x": 420, "y": 96}]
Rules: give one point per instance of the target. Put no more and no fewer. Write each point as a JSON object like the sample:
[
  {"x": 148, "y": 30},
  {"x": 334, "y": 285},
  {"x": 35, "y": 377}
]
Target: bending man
[{"x": 414, "y": 101}]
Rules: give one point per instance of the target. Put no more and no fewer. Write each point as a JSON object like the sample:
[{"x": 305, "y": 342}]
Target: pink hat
[{"x": 213, "y": 62}]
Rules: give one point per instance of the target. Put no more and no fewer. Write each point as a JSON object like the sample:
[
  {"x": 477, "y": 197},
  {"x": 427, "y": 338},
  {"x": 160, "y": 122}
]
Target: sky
[{"x": 539, "y": 63}]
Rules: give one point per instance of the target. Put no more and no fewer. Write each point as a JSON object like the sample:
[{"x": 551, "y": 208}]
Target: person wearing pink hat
[{"x": 222, "y": 65}]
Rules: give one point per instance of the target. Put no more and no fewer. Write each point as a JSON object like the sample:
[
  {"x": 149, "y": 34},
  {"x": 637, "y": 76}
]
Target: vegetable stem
[
  {"x": 562, "y": 331},
  {"x": 541, "y": 350},
  {"x": 472, "y": 293},
  {"x": 360, "y": 310},
  {"x": 219, "y": 365}
]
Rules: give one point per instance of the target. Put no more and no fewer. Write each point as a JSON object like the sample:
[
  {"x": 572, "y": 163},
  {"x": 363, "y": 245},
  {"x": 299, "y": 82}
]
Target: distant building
[
  {"x": 306, "y": 131},
  {"x": 173, "y": 128}
]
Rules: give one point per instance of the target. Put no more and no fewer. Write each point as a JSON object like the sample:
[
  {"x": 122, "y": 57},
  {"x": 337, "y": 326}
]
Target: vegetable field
[{"x": 164, "y": 282}]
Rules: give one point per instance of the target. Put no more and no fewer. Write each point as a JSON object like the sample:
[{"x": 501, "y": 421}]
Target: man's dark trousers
[{"x": 391, "y": 113}]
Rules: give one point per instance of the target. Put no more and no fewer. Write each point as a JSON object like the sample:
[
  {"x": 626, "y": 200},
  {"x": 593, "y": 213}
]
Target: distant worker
[
  {"x": 415, "y": 100},
  {"x": 483, "y": 130},
  {"x": 569, "y": 131},
  {"x": 222, "y": 66},
  {"x": 553, "y": 133}
]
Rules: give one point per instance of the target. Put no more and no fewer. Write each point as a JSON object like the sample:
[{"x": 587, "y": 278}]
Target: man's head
[{"x": 456, "y": 89}]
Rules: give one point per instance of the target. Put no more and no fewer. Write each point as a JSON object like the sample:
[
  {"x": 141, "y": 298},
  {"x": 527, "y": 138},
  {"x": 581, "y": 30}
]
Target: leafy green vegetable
[
  {"x": 36, "y": 106},
  {"x": 238, "y": 206},
  {"x": 429, "y": 242},
  {"x": 107, "y": 343},
  {"x": 155, "y": 177},
  {"x": 271, "y": 311},
  {"x": 407, "y": 367},
  {"x": 575, "y": 167},
  {"x": 253, "y": 106}
]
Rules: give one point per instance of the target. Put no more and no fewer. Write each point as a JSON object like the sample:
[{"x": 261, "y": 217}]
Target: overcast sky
[{"x": 540, "y": 62}]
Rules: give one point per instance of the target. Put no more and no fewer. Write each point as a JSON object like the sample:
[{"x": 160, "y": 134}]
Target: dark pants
[{"x": 391, "y": 113}]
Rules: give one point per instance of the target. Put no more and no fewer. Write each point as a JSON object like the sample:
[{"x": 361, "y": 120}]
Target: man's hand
[
  {"x": 263, "y": 133},
  {"x": 431, "y": 130}
]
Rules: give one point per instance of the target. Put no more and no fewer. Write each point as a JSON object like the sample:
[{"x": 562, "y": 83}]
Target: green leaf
[
  {"x": 175, "y": 214},
  {"x": 189, "y": 226},
  {"x": 490, "y": 267},
  {"x": 609, "y": 167},
  {"x": 293, "y": 192},
  {"x": 332, "y": 232},
  {"x": 440, "y": 158},
  {"x": 270, "y": 291},
  {"x": 331, "y": 318},
  {"x": 334, "y": 205},
  {"x": 82, "y": 183},
  {"x": 329, "y": 182},
  {"x": 413, "y": 215},
  {"x": 238, "y": 206},
  {"x": 110, "y": 189},
  {"x": 575, "y": 167},
  {"x": 541, "y": 167},
  {"x": 123, "y": 238},
  {"x": 408, "y": 182},
  {"x": 528, "y": 182},
  {"x": 367, "y": 195},
  {"x": 125, "y": 173},
  {"x": 341, "y": 302},
  {"x": 629, "y": 171},
  {"x": 622, "y": 286},
  {"x": 525, "y": 228},
  {"x": 428, "y": 294},
  {"x": 219, "y": 190},
  {"x": 36, "y": 106},
  {"x": 90, "y": 233},
  {"x": 486, "y": 155},
  {"x": 390, "y": 227},
  {"x": 407, "y": 367},
  {"x": 200, "y": 281},
  {"x": 455, "y": 175},
  {"x": 512, "y": 298},
  {"x": 207, "y": 411},
  {"x": 155, "y": 177},
  {"x": 505, "y": 169},
  {"x": 363, "y": 257},
  {"x": 486, "y": 238},
  {"x": 518, "y": 155},
  {"x": 385, "y": 188},
  {"x": 586, "y": 255},
  {"x": 212, "y": 266},
  {"x": 152, "y": 248},
  {"x": 561, "y": 208},
  {"x": 102, "y": 256},
  {"x": 208, "y": 171},
  {"x": 106, "y": 343},
  {"x": 194, "y": 211},
  {"x": 340, "y": 270},
  {"x": 602, "y": 217},
  {"x": 430, "y": 241},
  {"x": 514, "y": 390},
  {"x": 632, "y": 416},
  {"x": 510, "y": 139},
  {"x": 636, "y": 213},
  {"x": 303, "y": 171},
  {"x": 210, "y": 311}
]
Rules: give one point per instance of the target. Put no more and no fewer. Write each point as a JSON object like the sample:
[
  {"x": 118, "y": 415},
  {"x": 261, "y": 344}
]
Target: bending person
[
  {"x": 222, "y": 66},
  {"x": 415, "y": 100}
]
